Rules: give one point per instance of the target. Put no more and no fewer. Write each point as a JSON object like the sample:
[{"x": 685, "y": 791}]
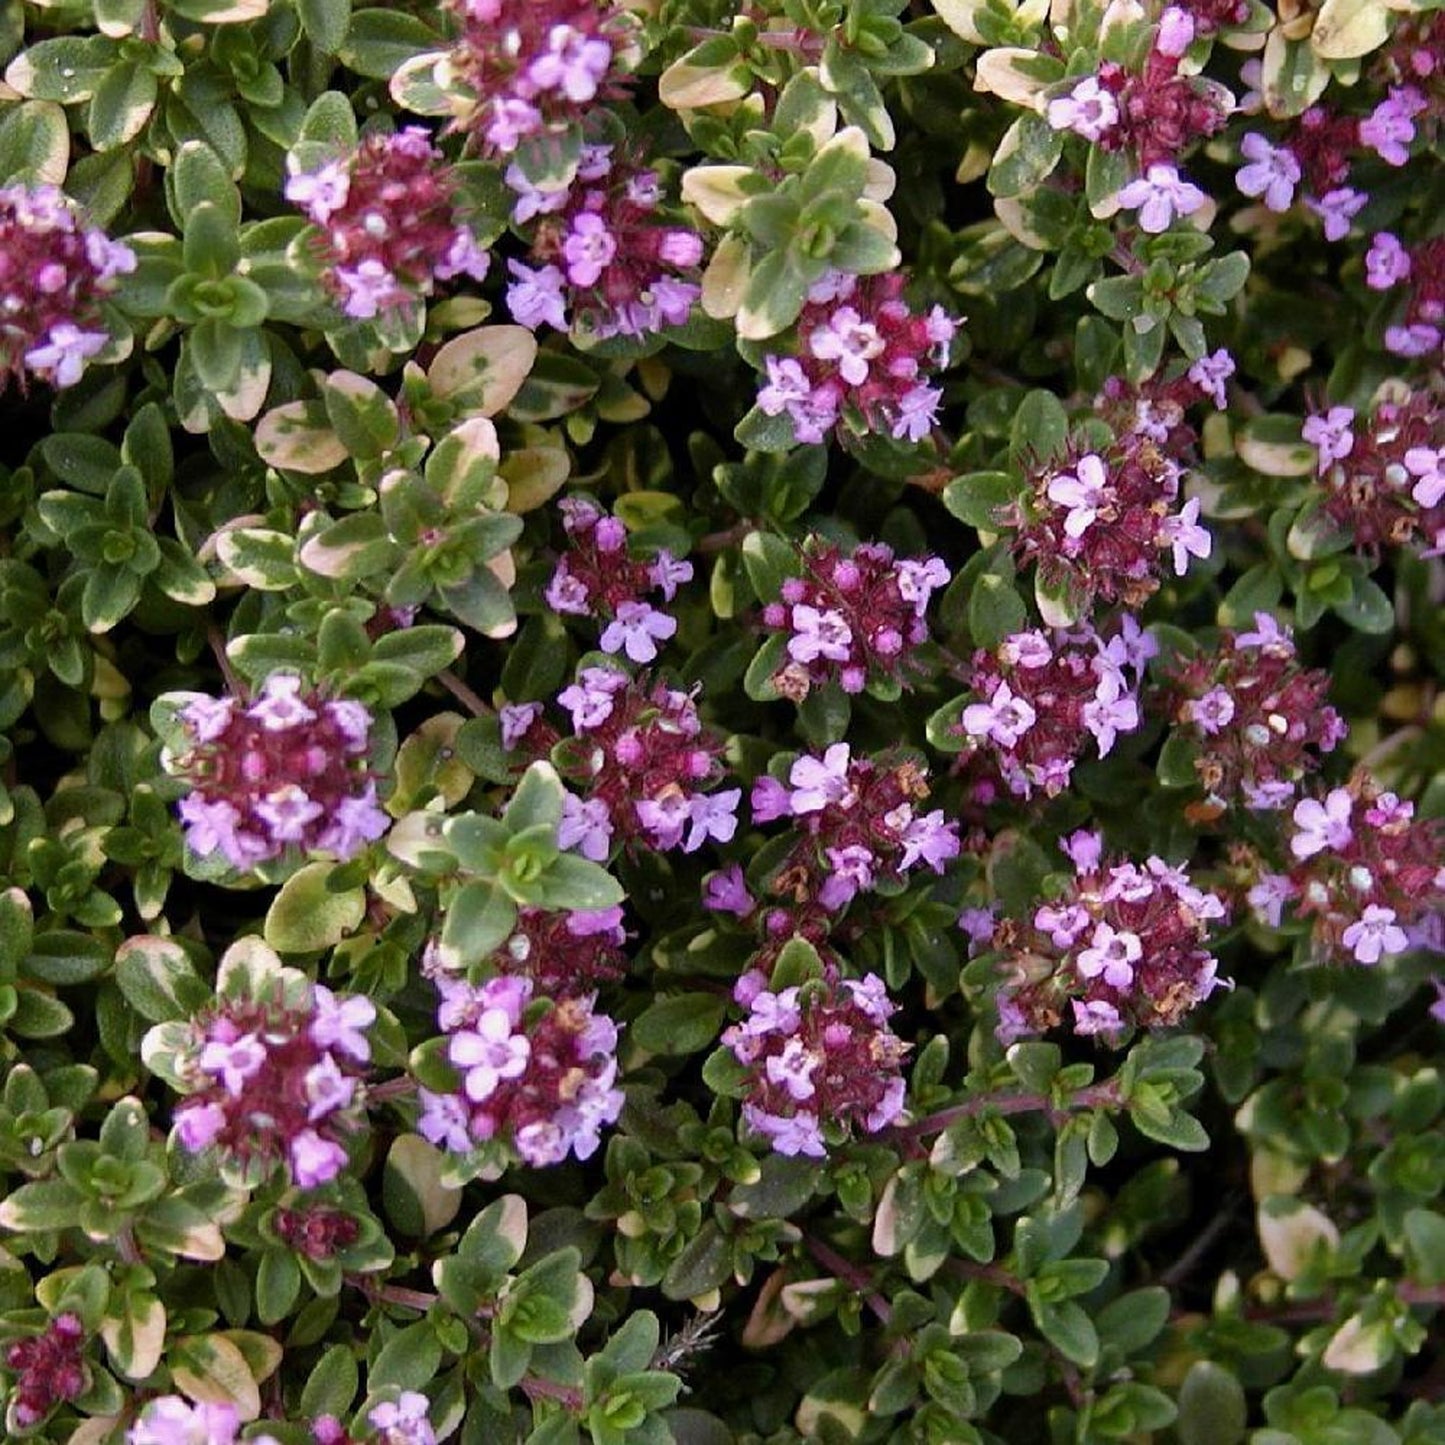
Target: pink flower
[
  {"x": 588, "y": 249},
  {"x": 1112, "y": 955},
  {"x": 1083, "y": 492},
  {"x": 1273, "y": 174},
  {"x": 819, "y": 782},
  {"x": 1185, "y": 536},
  {"x": 1375, "y": 934},
  {"x": 1004, "y": 718},
  {"x": 1387, "y": 262},
  {"x": 1159, "y": 195},
  {"x": 1331, "y": 435},
  {"x": 637, "y": 629},
  {"x": 1088, "y": 110},
  {"x": 1322, "y": 826}
]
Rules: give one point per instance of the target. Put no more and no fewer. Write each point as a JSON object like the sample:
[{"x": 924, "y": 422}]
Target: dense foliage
[{"x": 719, "y": 722}]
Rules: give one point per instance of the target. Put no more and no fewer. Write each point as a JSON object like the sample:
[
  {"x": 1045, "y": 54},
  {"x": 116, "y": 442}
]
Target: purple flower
[
  {"x": 233, "y": 1061},
  {"x": 1108, "y": 715},
  {"x": 588, "y": 249},
  {"x": 1322, "y": 826},
  {"x": 573, "y": 63},
  {"x": 1095, "y": 1016},
  {"x": 770, "y": 800},
  {"x": 1330, "y": 435},
  {"x": 315, "y": 1160},
  {"x": 1210, "y": 373},
  {"x": 819, "y": 634},
  {"x": 799, "y": 1134},
  {"x": 1159, "y": 195},
  {"x": 516, "y": 719},
  {"x": 712, "y": 816},
  {"x": 487, "y": 1053},
  {"x": 1387, "y": 262},
  {"x": 354, "y": 823},
  {"x": 667, "y": 573},
  {"x": 850, "y": 341},
  {"x": 918, "y": 578},
  {"x": 585, "y": 826},
  {"x": 1212, "y": 712},
  {"x": 1269, "y": 896},
  {"x": 929, "y": 839},
  {"x": 590, "y": 699},
  {"x": 169, "y": 1420},
  {"x": 793, "y": 1069},
  {"x": 1089, "y": 110},
  {"x": 1428, "y": 464},
  {"x": 443, "y": 1121},
  {"x": 664, "y": 818},
  {"x": 850, "y": 873},
  {"x": 1176, "y": 32},
  {"x": 787, "y": 385},
  {"x": 636, "y": 630},
  {"x": 199, "y": 1125},
  {"x": 60, "y": 358},
  {"x": 288, "y": 810},
  {"x": 917, "y": 412},
  {"x": 536, "y": 296},
  {"x": 1374, "y": 934},
  {"x": 1112, "y": 954},
  {"x": 405, "y": 1422},
  {"x": 280, "y": 706},
  {"x": 1004, "y": 718},
  {"x": 1273, "y": 174},
  {"x": 340, "y": 1023},
  {"x": 1337, "y": 208},
  {"x": 726, "y": 891},
  {"x": 1268, "y": 633},
  {"x": 1083, "y": 492},
  {"x": 369, "y": 289},
  {"x": 818, "y": 782},
  {"x": 1184, "y": 534},
  {"x": 1390, "y": 128}
]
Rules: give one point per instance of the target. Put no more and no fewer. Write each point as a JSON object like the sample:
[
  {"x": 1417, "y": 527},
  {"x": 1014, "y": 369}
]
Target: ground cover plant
[{"x": 721, "y": 722}]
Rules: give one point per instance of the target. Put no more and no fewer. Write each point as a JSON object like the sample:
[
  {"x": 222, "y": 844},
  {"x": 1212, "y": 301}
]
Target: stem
[
  {"x": 850, "y": 1274},
  {"x": 400, "y": 1088},
  {"x": 234, "y": 685},
  {"x": 1096, "y": 1096},
  {"x": 729, "y": 537},
  {"x": 463, "y": 694},
  {"x": 994, "y": 1274},
  {"x": 392, "y": 1294},
  {"x": 568, "y": 1396}
]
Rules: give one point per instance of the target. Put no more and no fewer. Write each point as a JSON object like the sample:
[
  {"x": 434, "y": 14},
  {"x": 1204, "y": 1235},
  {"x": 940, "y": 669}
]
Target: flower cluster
[
  {"x": 54, "y": 272},
  {"x": 1420, "y": 328},
  {"x": 1042, "y": 696},
  {"x": 318, "y": 1232},
  {"x": 1365, "y": 871},
  {"x": 535, "y": 67},
  {"x": 606, "y": 259},
  {"x": 542, "y": 1081},
  {"x": 641, "y": 760},
  {"x": 857, "y": 823},
  {"x": 281, "y": 772},
  {"x": 852, "y": 617},
  {"x": 1256, "y": 717},
  {"x": 1103, "y": 524},
  {"x": 1384, "y": 474},
  {"x": 565, "y": 955},
  {"x": 865, "y": 357},
  {"x": 595, "y": 577},
  {"x": 272, "y": 1074},
  {"x": 50, "y": 1369},
  {"x": 1123, "y": 947},
  {"x": 1153, "y": 113},
  {"x": 389, "y": 221},
  {"x": 819, "y": 1055}
]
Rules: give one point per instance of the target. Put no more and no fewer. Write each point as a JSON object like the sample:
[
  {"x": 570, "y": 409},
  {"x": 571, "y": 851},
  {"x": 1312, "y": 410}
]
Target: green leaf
[
  {"x": 66, "y": 70},
  {"x": 326, "y": 23},
  {"x": 576, "y": 883},
  {"x": 122, "y": 104},
  {"x": 477, "y": 921},
  {"x": 408, "y": 1361},
  {"x": 331, "y": 1386},
  {"x": 306, "y": 916},
  {"x": 995, "y": 610},
  {"x": 537, "y": 801},
  {"x": 1069, "y": 1330},
  {"x": 157, "y": 979},
  {"x": 978, "y": 497},
  {"x": 1027, "y": 155},
  {"x": 278, "y": 1285},
  {"x": 682, "y": 1024},
  {"x": 1212, "y": 1406},
  {"x": 701, "y": 1267},
  {"x": 34, "y": 143}
]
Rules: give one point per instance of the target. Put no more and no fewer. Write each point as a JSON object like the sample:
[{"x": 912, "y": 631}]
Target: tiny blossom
[
  {"x": 1387, "y": 263},
  {"x": 726, "y": 891},
  {"x": 1210, "y": 373},
  {"x": 283, "y": 772},
  {"x": 1365, "y": 874},
  {"x": 1273, "y": 172},
  {"x": 644, "y": 768},
  {"x": 852, "y": 617},
  {"x": 1159, "y": 111},
  {"x": 544, "y": 1084},
  {"x": 1046, "y": 695},
  {"x": 536, "y": 67},
  {"x": 1337, "y": 208},
  {"x": 1185, "y": 537},
  {"x": 316, "y": 1232},
  {"x": 50, "y": 1369},
  {"x": 1159, "y": 195},
  {"x": 818, "y": 1055},
  {"x": 55, "y": 272},
  {"x": 403, "y": 1421},
  {"x": 1088, "y": 110},
  {"x": 1124, "y": 946},
  {"x": 1330, "y": 435},
  {"x": 864, "y": 357},
  {"x": 170, "y": 1420},
  {"x": 389, "y": 223},
  {"x": 272, "y": 1073},
  {"x": 1390, "y": 127}
]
